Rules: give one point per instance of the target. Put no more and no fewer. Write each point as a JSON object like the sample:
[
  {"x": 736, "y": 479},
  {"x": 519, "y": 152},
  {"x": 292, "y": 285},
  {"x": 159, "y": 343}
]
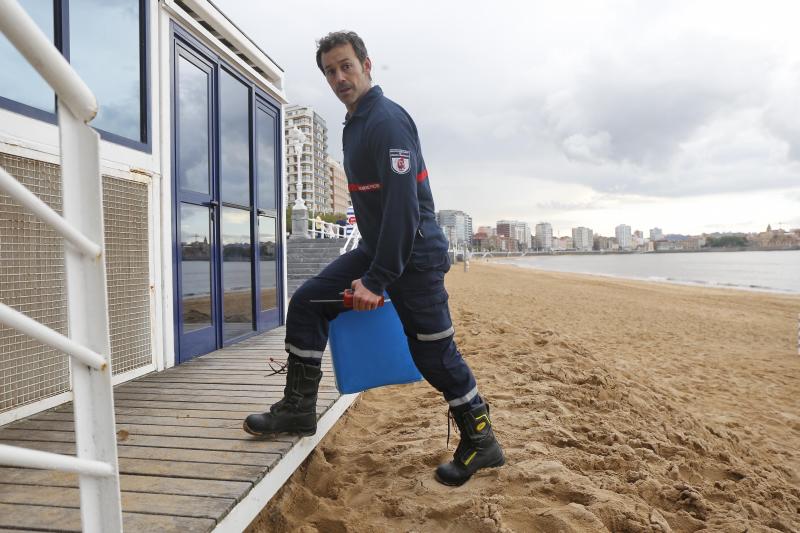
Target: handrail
[
  {"x": 352, "y": 240},
  {"x": 52, "y": 338},
  {"x": 26, "y": 458},
  {"x": 37, "y": 49},
  {"x": 46, "y": 213},
  {"x": 326, "y": 230},
  {"x": 87, "y": 299}
]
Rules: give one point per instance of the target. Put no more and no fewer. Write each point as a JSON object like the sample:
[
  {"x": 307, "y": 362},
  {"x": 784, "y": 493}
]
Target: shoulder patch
[{"x": 400, "y": 160}]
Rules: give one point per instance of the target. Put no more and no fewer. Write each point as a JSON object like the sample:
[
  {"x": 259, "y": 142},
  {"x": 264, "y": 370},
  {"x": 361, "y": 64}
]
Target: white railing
[
  {"x": 82, "y": 227},
  {"x": 319, "y": 229},
  {"x": 352, "y": 240}
]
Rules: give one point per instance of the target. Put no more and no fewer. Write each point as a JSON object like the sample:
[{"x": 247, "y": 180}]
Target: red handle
[{"x": 347, "y": 299}]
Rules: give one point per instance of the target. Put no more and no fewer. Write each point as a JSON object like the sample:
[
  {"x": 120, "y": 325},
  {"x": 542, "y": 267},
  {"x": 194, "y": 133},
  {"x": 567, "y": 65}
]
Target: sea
[{"x": 774, "y": 271}]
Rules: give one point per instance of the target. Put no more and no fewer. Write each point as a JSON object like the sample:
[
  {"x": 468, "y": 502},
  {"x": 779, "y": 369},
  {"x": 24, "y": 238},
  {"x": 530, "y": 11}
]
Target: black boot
[
  {"x": 477, "y": 449},
  {"x": 297, "y": 411}
]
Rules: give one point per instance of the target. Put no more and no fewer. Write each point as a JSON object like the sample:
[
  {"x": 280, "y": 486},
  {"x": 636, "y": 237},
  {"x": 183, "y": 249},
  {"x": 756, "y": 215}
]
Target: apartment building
[
  {"x": 518, "y": 231},
  {"x": 582, "y": 239},
  {"x": 623, "y": 235},
  {"x": 340, "y": 194},
  {"x": 311, "y": 162},
  {"x": 544, "y": 236},
  {"x": 456, "y": 225}
]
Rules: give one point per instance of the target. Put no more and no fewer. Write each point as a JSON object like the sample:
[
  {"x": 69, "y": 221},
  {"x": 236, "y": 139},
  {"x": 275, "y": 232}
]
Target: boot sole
[
  {"x": 496, "y": 464},
  {"x": 300, "y": 431}
]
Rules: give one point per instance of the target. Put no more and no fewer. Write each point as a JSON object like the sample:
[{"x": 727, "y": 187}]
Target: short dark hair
[{"x": 338, "y": 38}]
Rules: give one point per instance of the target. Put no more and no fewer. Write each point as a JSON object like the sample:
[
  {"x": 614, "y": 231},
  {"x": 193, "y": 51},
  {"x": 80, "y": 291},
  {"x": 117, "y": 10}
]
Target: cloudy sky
[{"x": 681, "y": 115}]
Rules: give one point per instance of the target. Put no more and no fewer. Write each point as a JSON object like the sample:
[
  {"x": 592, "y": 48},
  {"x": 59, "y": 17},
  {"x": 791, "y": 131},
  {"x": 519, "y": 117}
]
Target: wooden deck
[{"x": 184, "y": 460}]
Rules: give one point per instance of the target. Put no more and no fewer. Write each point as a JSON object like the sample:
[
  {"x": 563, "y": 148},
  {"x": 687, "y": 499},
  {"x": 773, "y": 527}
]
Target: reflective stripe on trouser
[{"x": 421, "y": 303}]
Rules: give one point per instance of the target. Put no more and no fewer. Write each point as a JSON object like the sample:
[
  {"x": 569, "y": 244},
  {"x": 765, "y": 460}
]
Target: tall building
[
  {"x": 544, "y": 236},
  {"x": 656, "y": 234},
  {"x": 315, "y": 173},
  {"x": 582, "y": 239},
  {"x": 341, "y": 196},
  {"x": 517, "y": 231},
  {"x": 623, "y": 235},
  {"x": 456, "y": 225}
]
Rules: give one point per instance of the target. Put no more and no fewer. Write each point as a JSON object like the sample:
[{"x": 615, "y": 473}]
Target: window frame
[{"x": 61, "y": 36}]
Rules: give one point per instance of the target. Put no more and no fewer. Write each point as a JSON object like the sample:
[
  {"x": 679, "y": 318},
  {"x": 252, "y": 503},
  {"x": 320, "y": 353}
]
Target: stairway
[{"x": 307, "y": 257}]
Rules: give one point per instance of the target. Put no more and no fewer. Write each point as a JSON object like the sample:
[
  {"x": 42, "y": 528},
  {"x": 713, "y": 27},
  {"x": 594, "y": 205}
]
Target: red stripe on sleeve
[{"x": 422, "y": 175}]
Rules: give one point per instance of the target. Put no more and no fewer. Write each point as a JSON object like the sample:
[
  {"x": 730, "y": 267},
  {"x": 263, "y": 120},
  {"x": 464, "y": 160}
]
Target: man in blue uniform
[{"x": 402, "y": 251}]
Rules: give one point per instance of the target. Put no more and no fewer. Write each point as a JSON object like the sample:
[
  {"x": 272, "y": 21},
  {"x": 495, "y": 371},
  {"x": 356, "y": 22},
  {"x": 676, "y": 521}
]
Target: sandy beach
[{"x": 622, "y": 406}]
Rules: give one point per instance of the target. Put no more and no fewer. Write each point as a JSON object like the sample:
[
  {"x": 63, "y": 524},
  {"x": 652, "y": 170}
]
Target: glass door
[
  {"x": 196, "y": 208},
  {"x": 226, "y": 179},
  {"x": 268, "y": 223}
]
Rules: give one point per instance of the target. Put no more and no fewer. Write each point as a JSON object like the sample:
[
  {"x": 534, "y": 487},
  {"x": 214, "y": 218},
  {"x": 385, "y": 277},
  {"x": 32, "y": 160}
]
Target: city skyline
[{"x": 686, "y": 117}]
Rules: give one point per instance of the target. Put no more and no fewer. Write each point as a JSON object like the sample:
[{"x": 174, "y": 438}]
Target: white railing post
[{"x": 95, "y": 430}]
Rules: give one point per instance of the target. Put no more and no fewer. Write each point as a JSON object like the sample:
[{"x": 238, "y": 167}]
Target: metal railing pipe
[
  {"x": 54, "y": 339},
  {"x": 26, "y": 458},
  {"x": 37, "y": 49},
  {"x": 46, "y": 213}
]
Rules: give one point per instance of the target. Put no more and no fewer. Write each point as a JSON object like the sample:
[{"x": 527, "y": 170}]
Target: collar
[{"x": 366, "y": 103}]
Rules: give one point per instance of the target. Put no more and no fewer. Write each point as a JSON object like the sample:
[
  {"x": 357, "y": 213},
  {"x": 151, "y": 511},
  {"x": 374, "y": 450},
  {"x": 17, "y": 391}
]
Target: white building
[
  {"x": 544, "y": 236},
  {"x": 623, "y": 235},
  {"x": 456, "y": 225},
  {"x": 582, "y": 239},
  {"x": 656, "y": 234},
  {"x": 313, "y": 160},
  {"x": 191, "y": 128}
]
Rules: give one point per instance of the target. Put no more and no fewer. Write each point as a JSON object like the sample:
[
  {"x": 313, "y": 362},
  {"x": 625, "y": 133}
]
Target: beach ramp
[{"x": 185, "y": 463}]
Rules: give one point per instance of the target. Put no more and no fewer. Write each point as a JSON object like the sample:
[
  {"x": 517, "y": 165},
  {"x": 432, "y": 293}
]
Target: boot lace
[
  {"x": 277, "y": 367},
  {"x": 451, "y": 422}
]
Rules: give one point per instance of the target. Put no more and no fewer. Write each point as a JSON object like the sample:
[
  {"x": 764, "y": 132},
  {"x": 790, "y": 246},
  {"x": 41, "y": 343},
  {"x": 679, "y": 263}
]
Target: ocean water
[{"x": 777, "y": 271}]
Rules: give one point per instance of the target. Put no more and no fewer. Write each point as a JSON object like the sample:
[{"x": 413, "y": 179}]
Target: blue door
[{"x": 226, "y": 177}]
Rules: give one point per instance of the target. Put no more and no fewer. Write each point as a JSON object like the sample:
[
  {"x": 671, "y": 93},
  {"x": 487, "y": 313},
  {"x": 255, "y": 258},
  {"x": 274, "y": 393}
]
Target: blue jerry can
[{"x": 370, "y": 349}]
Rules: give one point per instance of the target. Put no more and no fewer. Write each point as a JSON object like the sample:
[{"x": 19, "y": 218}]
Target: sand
[{"x": 622, "y": 406}]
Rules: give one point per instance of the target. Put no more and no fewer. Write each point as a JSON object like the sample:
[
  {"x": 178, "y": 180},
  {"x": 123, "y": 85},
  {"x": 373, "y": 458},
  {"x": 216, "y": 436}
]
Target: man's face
[{"x": 348, "y": 78}]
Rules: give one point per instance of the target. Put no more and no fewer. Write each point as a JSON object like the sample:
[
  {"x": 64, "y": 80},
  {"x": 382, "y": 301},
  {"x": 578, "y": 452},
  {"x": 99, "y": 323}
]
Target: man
[{"x": 402, "y": 251}]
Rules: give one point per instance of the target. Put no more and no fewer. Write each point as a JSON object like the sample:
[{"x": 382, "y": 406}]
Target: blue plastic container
[{"x": 370, "y": 350}]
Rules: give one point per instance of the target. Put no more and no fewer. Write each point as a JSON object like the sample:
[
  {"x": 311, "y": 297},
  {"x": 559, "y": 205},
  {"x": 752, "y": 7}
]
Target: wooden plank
[
  {"x": 153, "y": 420},
  {"x": 187, "y": 470},
  {"x": 44, "y": 518},
  {"x": 131, "y": 483},
  {"x": 264, "y": 398},
  {"x": 39, "y": 429},
  {"x": 266, "y": 459},
  {"x": 132, "y": 502},
  {"x": 250, "y": 444}
]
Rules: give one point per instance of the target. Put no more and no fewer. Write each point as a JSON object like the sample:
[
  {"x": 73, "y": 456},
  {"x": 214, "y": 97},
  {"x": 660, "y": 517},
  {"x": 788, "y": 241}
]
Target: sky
[{"x": 682, "y": 115}]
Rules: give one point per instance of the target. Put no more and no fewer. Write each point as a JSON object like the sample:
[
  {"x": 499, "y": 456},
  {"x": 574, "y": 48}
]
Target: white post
[{"x": 95, "y": 430}]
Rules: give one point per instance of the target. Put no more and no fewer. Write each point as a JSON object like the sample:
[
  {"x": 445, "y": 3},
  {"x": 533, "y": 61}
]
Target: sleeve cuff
[{"x": 372, "y": 285}]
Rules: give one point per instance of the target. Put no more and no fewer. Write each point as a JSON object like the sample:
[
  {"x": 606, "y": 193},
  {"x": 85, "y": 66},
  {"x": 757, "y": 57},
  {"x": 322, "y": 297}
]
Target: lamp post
[{"x": 296, "y": 139}]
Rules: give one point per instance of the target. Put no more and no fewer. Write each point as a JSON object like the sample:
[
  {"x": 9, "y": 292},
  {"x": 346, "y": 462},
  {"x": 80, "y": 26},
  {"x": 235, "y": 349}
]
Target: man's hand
[{"x": 363, "y": 298}]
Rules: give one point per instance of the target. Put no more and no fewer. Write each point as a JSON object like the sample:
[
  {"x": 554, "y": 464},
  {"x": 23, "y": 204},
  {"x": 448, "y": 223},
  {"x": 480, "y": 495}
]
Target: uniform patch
[{"x": 400, "y": 159}]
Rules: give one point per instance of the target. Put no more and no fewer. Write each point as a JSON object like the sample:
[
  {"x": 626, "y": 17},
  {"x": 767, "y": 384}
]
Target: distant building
[
  {"x": 563, "y": 243},
  {"x": 656, "y": 234},
  {"x": 601, "y": 243},
  {"x": 340, "y": 195},
  {"x": 582, "y": 239},
  {"x": 544, "y": 236},
  {"x": 518, "y": 231},
  {"x": 456, "y": 225},
  {"x": 488, "y": 230},
  {"x": 315, "y": 173},
  {"x": 623, "y": 235}
]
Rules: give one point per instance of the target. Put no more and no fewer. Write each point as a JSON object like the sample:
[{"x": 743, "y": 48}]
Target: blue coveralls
[{"x": 402, "y": 250}]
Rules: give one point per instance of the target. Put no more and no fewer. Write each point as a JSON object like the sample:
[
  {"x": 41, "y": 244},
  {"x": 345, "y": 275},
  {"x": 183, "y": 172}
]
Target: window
[{"x": 105, "y": 41}]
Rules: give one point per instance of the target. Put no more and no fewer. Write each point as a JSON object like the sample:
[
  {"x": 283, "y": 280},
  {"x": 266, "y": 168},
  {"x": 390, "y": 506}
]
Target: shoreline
[
  {"x": 622, "y": 405},
  {"x": 511, "y": 261}
]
